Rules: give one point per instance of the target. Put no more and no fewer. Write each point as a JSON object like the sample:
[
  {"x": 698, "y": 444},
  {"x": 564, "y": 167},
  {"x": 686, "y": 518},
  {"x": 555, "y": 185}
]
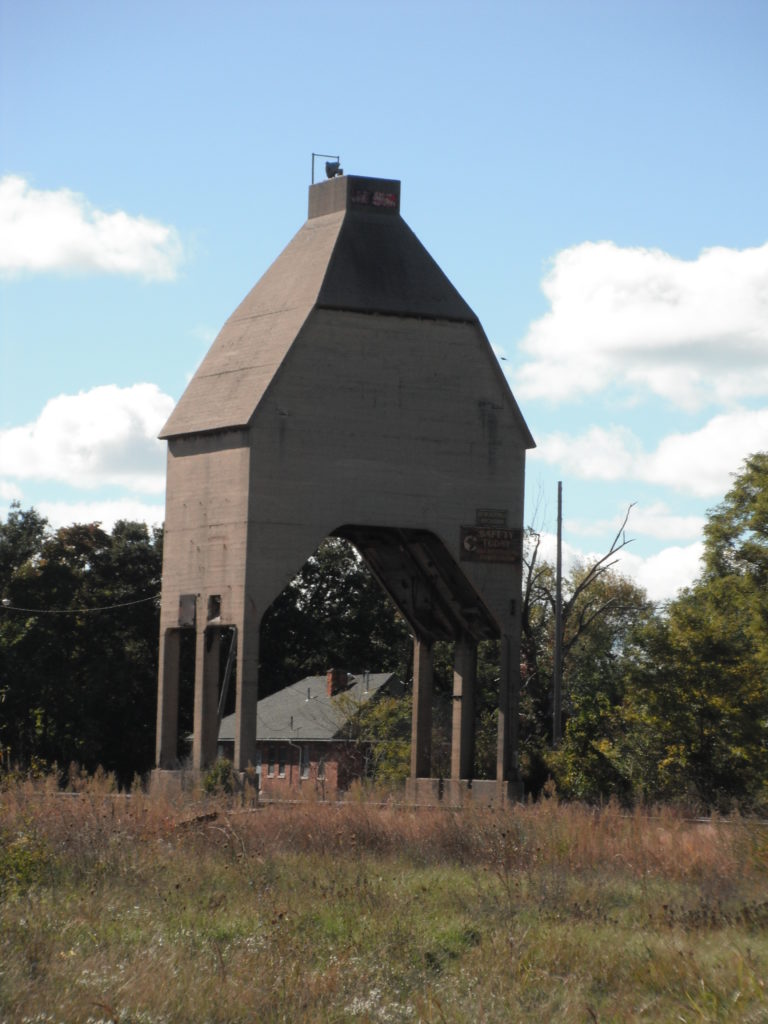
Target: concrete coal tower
[{"x": 352, "y": 393}]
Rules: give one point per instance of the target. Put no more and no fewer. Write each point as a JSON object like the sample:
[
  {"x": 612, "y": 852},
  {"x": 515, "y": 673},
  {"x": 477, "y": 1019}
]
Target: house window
[
  {"x": 305, "y": 762},
  {"x": 281, "y": 763},
  {"x": 271, "y": 762},
  {"x": 321, "y": 767}
]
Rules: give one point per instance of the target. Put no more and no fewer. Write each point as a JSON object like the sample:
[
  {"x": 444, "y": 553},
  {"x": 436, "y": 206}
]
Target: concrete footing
[
  {"x": 172, "y": 782},
  {"x": 461, "y": 792}
]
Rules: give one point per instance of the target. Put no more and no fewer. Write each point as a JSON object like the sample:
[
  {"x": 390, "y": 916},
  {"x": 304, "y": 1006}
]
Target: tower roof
[
  {"x": 378, "y": 265},
  {"x": 354, "y": 253}
]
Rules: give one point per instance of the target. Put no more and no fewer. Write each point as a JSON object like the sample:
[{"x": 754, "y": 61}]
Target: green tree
[
  {"x": 590, "y": 762},
  {"x": 697, "y": 705},
  {"x": 332, "y": 614},
  {"x": 21, "y": 537},
  {"x": 697, "y": 708},
  {"x": 380, "y": 728},
  {"x": 78, "y": 643},
  {"x": 597, "y": 607},
  {"x": 736, "y": 533}
]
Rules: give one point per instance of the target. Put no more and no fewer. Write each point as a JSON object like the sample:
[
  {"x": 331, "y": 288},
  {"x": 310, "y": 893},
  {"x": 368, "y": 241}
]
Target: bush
[
  {"x": 219, "y": 778},
  {"x": 24, "y": 863}
]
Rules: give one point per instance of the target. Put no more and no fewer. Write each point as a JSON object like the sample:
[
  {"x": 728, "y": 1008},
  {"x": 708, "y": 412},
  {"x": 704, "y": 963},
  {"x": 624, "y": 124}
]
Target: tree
[
  {"x": 585, "y": 604},
  {"x": 590, "y": 763},
  {"x": 78, "y": 643},
  {"x": 332, "y": 614},
  {"x": 380, "y": 728},
  {"x": 697, "y": 708},
  {"x": 697, "y": 702},
  {"x": 736, "y": 533},
  {"x": 21, "y": 537}
]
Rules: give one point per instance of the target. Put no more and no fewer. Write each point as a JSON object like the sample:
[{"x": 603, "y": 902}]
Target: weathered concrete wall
[
  {"x": 204, "y": 546},
  {"x": 383, "y": 421},
  {"x": 205, "y": 536}
]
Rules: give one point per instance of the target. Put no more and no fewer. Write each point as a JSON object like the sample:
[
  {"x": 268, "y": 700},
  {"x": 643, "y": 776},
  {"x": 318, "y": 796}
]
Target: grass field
[{"x": 144, "y": 910}]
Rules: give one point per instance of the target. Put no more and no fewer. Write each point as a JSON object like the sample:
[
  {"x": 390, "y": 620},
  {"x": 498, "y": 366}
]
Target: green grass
[{"x": 146, "y": 911}]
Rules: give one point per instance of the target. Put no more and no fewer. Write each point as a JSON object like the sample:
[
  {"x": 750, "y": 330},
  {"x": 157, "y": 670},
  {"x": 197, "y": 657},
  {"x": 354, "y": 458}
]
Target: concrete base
[
  {"x": 172, "y": 782},
  {"x": 462, "y": 792}
]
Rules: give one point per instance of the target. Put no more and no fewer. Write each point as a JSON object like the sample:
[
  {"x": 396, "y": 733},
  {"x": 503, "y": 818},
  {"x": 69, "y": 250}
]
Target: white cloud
[
  {"x": 572, "y": 556},
  {"x": 60, "y": 513},
  {"x": 665, "y": 573},
  {"x": 710, "y": 456},
  {"x": 106, "y": 436},
  {"x": 9, "y": 491},
  {"x": 641, "y": 320},
  {"x": 60, "y": 231},
  {"x": 700, "y": 462},
  {"x": 661, "y": 575},
  {"x": 599, "y": 453},
  {"x": 654, "y": 520}
]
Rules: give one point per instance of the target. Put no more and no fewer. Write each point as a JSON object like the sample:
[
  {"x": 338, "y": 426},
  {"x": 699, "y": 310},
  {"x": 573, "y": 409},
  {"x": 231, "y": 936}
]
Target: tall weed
[{"x": 152, "y": 907}]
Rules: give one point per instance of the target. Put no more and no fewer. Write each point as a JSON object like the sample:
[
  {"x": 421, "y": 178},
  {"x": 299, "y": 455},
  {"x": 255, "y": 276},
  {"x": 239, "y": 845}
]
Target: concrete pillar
[
  {"x": 421, "y": 727},
  {"x": 247, "y": 696},
  {"x": 502, "y": 743},
  {"x": 508, "y": 748},
  {"x": 167, "y": 735},
  {"x": 463, "y": 724},
  {"x": 206, "y": 724}
]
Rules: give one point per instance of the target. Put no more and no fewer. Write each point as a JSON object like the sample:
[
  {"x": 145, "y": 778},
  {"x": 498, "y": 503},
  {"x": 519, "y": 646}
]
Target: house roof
[{"x": 304, "y": 711}]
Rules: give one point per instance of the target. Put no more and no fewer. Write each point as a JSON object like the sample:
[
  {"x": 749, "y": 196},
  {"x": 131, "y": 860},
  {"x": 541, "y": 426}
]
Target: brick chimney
[{"x": 337, "y": 681}]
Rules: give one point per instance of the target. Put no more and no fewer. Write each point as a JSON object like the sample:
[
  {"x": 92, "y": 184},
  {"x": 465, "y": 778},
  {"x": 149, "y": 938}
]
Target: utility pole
[{"x": 557, "y": 681}]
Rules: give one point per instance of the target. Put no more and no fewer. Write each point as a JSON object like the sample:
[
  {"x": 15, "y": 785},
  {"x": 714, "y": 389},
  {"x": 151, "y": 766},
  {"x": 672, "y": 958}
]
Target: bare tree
[{"x": 577, "y": 614}]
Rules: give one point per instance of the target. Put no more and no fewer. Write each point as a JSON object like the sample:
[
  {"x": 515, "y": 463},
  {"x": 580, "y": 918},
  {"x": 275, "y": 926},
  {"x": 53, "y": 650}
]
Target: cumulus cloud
[
  {"x": 106, "y": 436},
  {"x": 54, "y": 231},
  {"x": 61, "y": 513},
  {"x": 572, "y": 556},
  {"x": 700, "y": 462},
  {"x": 661, "y": 575},
  {"x": 653, "y": 520},
  {"x": 690, "y": 331},
  {"x": 9, "y": 491}
]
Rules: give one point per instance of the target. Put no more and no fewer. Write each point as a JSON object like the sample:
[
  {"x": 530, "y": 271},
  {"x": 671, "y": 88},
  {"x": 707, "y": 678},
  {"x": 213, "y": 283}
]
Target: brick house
[{"x": 301, "y": 732}]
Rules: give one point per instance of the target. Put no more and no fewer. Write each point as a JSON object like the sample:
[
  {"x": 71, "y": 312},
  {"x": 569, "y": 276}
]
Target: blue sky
[{"x": 590, "y": 175}]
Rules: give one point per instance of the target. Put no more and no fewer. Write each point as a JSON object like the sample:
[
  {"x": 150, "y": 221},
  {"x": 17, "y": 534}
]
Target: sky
[{"x": 591, "y": 176}]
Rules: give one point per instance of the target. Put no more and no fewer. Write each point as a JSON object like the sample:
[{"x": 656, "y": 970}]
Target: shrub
[
  {"x": 24, "y": 863},
  {"x": 219, "y": 778}
]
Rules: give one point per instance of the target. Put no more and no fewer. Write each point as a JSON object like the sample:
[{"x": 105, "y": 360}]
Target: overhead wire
[{"x": 76, "y": 611}]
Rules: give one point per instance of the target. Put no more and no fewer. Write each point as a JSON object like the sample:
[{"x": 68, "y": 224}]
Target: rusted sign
[
  {"x": 490, "y": 517},
  {"x": 491, "y": 544},
  {"x": 368, "y": 197}
]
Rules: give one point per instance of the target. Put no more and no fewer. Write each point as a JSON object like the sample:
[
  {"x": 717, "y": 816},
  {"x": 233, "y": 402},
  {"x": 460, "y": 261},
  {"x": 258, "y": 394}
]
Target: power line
[{"x": 8, "y": 607}]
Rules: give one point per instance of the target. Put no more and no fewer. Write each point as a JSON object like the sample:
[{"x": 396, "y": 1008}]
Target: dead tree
[{"x": 577, "y": 616}]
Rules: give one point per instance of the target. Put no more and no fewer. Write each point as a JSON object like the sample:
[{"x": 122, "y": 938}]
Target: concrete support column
[
  {"x": 206, "y": 723},
  {"x": 463, "y": 725},
  {"x": 166, "y": 739},
  {"x": 421, "y": 723},
  {"x": 247, "y": 697},
  {"x": 508, "y": 748},
  {"x": 502, "y": 744}
]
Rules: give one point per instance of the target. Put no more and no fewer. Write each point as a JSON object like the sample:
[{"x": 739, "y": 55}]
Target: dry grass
[{"x": 153, "y": 910}]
